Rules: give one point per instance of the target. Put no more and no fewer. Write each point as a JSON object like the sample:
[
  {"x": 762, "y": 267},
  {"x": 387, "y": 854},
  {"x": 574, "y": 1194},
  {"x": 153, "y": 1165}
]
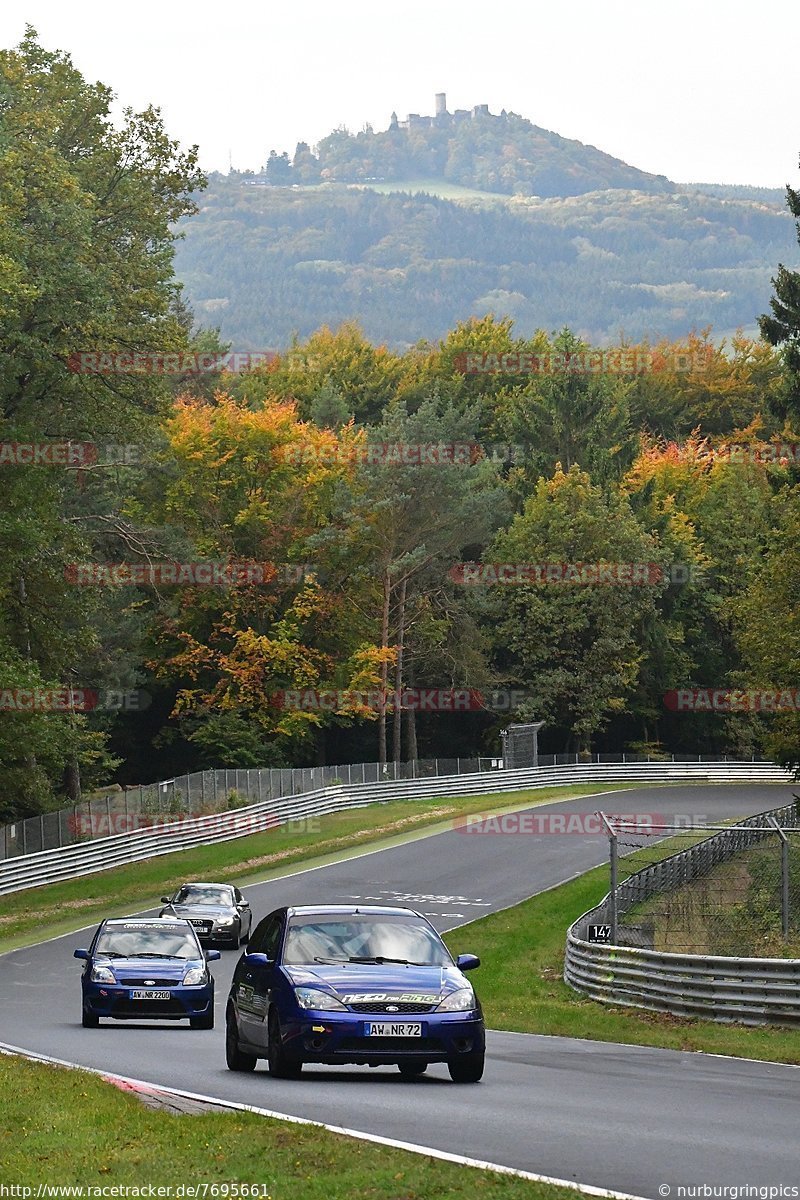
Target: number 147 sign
[{"x": 599, "y": 933}]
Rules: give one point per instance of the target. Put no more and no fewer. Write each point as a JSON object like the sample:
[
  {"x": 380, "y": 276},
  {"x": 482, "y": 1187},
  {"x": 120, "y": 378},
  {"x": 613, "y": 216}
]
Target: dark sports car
[
  {"x": 218, "y": 912},
  {"x": 143, "y": 968},
  {"x": 343, "y": 984}
]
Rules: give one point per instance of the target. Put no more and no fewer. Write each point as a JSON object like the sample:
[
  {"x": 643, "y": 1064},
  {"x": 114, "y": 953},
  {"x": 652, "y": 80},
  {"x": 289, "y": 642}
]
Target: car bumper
[
  {"x": 336, "y": 1038},
  {"x": 106, "y": 1000},
  {"x": 227, "y": 935}
]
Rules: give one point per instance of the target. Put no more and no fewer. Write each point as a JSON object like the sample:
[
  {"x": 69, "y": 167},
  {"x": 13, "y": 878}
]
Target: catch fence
[{"x": 713, "y": 929}]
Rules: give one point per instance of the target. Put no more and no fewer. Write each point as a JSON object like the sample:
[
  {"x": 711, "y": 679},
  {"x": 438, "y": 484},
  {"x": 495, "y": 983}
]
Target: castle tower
[
  {"x": 393, "y": 121},
  {"x": 441, "y": 104}
]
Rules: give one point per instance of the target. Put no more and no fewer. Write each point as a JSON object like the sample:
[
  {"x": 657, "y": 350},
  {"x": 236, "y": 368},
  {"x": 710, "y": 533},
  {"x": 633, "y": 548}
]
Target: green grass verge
[
  {"x": 522, "y": 989},
  {"x": 733, "y": 910},
  {"x": 71, "y": 1128},
  {"x": 39, "y": 913}
]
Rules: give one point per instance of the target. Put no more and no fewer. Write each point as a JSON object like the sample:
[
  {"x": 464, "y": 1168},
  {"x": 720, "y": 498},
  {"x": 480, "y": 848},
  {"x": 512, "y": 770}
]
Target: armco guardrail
[
  {"x": 201, "y": 793},
  {"x": 70, "y": 862},
  {"x": 752, "y": 991}
]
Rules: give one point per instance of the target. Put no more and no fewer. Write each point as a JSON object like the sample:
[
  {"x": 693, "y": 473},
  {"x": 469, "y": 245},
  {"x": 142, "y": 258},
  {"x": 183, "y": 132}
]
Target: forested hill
[
  {"x": 477, "y": 149},
  {"x": 265, "y": 262}
]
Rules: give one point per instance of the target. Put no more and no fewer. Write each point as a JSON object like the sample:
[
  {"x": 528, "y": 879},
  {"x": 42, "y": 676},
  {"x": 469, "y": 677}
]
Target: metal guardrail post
[
  {"x": 784, "y": 877},
  {"x": 613, "y": 854}
]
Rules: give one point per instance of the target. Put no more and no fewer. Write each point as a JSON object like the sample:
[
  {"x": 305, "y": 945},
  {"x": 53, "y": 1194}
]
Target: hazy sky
[{"x": 699, "y": 90}]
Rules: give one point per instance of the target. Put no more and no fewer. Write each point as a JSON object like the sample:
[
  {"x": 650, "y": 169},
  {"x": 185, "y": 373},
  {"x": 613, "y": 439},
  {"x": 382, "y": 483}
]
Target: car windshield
[
  {"x": 201, "y": 893},
  {"x": 363, "y": 939},
  {"x": 149, "y": 942}
]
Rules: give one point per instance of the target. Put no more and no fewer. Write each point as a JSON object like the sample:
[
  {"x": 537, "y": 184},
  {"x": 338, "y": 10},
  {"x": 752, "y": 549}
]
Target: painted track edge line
[{"x": 377, "y": 1139}]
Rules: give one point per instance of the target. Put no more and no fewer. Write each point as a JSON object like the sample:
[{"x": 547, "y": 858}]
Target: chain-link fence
[
  {"x": 732, "y": 892},
  {"x": 202, "y": 793}
]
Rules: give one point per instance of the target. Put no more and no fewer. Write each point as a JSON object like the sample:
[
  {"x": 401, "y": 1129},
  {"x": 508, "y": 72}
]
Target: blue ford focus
[
  {"x": 147, "y": 969},
  {"x": 341, "y": 984}
]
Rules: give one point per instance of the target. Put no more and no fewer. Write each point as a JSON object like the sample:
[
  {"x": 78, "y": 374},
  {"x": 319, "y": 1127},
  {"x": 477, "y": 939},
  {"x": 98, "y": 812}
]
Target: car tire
[
  {"x": 282, "y": 1064},
  {"x": 467, "y": 1068},
  {"x": 235, "y": 1058},
  {"x": 411, "y": 1070},
  {"x": 89, "y": 1020}
]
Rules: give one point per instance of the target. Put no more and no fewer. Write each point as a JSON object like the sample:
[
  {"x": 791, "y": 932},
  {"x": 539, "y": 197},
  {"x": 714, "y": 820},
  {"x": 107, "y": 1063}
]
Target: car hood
[
  {"x": 378, "y": 981},
  {"x": 200, "y": 910},
  {"x": 148, "y": 966}
]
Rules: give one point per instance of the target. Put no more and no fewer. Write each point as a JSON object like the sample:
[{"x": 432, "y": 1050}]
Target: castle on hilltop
[{"x": 442, "y": 116}]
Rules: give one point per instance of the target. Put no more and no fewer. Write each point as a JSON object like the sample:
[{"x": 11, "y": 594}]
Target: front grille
[
  {"x": 389, "y": 1006},
  {"x": 149, "y": 981},
  {"x": 148, "y": 1008},
  {"x": 387, "y": 1045}
]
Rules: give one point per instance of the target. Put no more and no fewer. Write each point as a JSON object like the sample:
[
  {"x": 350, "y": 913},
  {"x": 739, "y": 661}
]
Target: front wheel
[
  {"x": 89, "y": 1020},
  {"x": 235, "y": 1058},
  {"x": 410, "y": 1070},
  {"x": 467, "y": 1068},
  {"x": 282, "y": 1064}
]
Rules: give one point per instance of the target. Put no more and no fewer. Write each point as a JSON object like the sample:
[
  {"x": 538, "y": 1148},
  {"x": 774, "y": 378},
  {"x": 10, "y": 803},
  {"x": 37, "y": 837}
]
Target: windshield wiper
[
  {"x": 155, "y": 954},
  {"x": 382, "y": 958},
  {"x": 333, "y": 960}
]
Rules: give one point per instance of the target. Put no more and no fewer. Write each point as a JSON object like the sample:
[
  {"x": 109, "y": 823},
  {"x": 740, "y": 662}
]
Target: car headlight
[
  {"x": 309, "y": 997},
  {"x": 195, "y": 975},
  {"x": 102, "y": 975},
  {"x": 460, "y": 1001},
  {"x": 225, "y": 920}
]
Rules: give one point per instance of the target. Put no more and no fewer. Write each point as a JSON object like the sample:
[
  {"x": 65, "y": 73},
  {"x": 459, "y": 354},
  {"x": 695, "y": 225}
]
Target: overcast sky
[{"x": 699, "y": 90}]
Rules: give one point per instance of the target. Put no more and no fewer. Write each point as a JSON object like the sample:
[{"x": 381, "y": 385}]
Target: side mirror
[
  {"x": 467, "y": 962},
  {"x": 80, "y": 953},
  {"x": 242, "y": 905},
  {"x": 165, "y": 900},
  {"x": 212, "y": 955},
  {"x": 258, "y": 960}
]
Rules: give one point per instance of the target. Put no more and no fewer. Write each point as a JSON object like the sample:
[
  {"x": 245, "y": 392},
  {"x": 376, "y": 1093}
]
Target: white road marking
[{"x": 393, "y": 1143}]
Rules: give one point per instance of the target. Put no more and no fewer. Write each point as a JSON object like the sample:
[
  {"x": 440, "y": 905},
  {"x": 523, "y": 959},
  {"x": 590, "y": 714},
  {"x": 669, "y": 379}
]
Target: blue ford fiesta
[
  {"x": 147, "y": 969},
  {"x": 342, "y": 984}
]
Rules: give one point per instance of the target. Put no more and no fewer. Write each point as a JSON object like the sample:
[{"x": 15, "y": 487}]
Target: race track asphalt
[{"x": 627, "y": 1118}]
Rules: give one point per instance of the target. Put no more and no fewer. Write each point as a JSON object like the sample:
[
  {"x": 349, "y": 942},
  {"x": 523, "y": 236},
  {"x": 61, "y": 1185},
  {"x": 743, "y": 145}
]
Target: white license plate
[
  {"x": 394, "y": 1029},
  {"x": 140, "y": 994}
]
